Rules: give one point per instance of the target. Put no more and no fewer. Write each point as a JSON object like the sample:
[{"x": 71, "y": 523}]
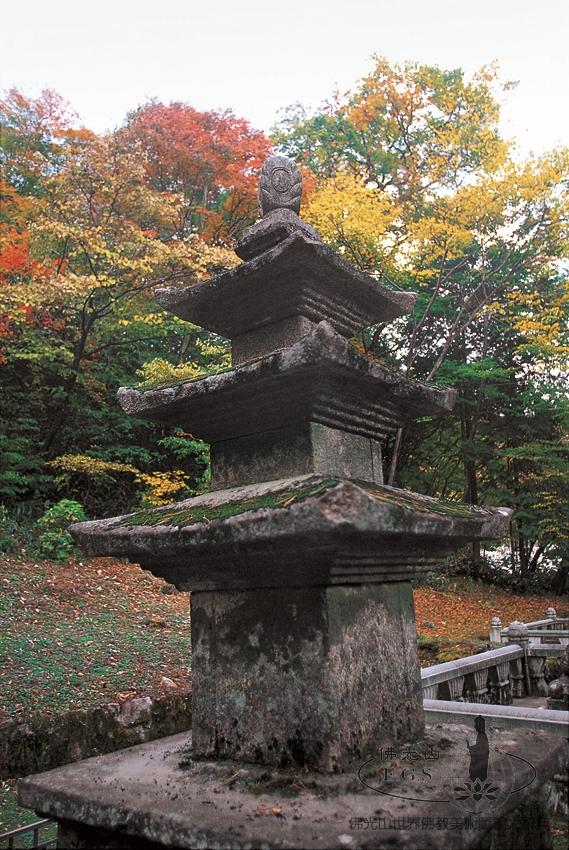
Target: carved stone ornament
[{"x": 280, "y": 186}]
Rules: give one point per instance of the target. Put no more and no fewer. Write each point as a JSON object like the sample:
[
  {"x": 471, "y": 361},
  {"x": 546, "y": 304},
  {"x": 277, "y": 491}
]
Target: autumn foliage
[
  {"x": 208, "y": 159},
  {"x": 407, "y": 175}
]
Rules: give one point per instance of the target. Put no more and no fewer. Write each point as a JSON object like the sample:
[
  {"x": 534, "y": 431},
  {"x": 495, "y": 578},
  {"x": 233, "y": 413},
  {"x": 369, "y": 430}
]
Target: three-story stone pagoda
[{"x": 299, "y": 560}]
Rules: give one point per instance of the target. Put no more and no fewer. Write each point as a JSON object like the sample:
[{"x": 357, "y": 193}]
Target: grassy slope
[
  {"x": 97, "y": 630},
  {"x": 86, "y": 632}
]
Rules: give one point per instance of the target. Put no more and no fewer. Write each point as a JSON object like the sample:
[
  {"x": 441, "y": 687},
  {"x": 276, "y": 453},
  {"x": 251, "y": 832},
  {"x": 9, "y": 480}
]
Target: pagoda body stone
[
  {"x": 276, "y": 297},
  {"x": 299, "y": 560},
  {"x": 317, "y": 406}
]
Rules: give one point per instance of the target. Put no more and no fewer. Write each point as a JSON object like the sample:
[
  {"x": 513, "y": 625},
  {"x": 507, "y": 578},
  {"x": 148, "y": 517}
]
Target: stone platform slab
[{"x": 155, "y": 795}]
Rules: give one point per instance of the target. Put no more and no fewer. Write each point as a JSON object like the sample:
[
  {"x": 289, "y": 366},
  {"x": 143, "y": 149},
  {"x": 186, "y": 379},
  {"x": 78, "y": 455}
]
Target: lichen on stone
[{"x": 420, "y": 503}]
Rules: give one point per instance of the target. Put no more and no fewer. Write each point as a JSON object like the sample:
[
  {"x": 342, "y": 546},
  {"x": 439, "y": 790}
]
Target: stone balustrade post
[
  {"x": 481, "y": 680},
  {"x": 518, "y": 634},
  {"x": 431, "y": 692},
  {"x": 495, "y": 630},
  {"x": 456, "y": 687},
  {"x": 536, "y": 666},
  {"x": 504, "y": 683},
  {"x": 551, "y": 614},
  {"x": 517, "y": 678}
]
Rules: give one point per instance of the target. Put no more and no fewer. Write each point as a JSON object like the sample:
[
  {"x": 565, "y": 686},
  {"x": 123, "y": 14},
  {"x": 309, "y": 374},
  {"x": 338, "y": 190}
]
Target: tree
[
  {"x": 208, "y": 159},
  {"x": 415, "y": 184},
  {"x": 83, "y": 255}
]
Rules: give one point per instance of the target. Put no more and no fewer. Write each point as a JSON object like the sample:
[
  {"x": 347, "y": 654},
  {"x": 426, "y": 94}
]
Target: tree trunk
[
  {"x": 522, "y": 554},
  {"x": 69, "y": 386},
  {"x": 471, "y": 498},
  {"x": 395, "y": 457}
]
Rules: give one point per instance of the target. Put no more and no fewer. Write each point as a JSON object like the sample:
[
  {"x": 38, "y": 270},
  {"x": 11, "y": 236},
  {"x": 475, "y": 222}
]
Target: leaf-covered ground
[
  {"x": 96, "y": 630},
  {"x": 86, "y": 632},
  {"x": 93, "y": 630},
  {"x": 458, "y": 618}
]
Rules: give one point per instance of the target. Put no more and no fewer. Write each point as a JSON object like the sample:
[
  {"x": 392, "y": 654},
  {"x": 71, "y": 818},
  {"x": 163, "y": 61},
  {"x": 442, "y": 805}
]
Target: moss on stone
[
  {"x": 416, "y": 503},
  {"x": 182, "y": 516}
]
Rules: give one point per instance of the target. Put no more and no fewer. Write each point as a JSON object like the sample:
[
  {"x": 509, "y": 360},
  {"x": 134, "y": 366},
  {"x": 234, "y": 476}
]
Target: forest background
[{"x": 407, "y": 175}]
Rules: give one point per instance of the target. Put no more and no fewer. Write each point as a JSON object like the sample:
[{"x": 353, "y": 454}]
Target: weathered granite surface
[
  {"x": 309, "y": 530},
  {"x": 280, "y": 185},
  {"x": 313, "y": 677},
  {"x": 295, "y": 450},
  {"x": 260, "y": 341},
  {"x": 158, "y": 793},
  {"x": 275, "y": 227},
  {"x": 321, "y": 378},
  {"x": 297, "y": 277}
]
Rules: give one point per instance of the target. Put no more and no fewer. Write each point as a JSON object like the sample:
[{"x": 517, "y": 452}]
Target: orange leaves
[
  {"x": 465, "y": 612},
  {"x": 16, "y": 261},
  {"x": 208, "y": 157}
]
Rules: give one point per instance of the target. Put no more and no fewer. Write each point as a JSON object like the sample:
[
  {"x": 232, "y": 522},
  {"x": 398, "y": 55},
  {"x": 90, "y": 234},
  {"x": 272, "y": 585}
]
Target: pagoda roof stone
[
  {"x": 321, "y": 378},
  {"x": 301, "y": 531},
  {"x": 299, "y": 276}
]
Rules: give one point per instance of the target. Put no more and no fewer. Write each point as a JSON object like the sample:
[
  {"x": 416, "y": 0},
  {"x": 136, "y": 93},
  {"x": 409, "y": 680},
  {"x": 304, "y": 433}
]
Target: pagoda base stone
[
  {"x": 312, "y": 677},
  {"x": 156, "y": 795},
  {"x": 297, "y": 450}
]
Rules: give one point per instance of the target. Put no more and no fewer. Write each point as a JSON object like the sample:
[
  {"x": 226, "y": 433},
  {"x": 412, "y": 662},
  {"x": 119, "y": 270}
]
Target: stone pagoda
[{"x": 299, "y": 560}]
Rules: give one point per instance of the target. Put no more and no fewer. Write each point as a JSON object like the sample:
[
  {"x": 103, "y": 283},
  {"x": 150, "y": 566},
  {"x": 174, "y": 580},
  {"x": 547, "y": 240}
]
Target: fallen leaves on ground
[
  {"x": 87, "y": 632},
  {"x": 97, "y": 630},
  {"x": 460, "y": 615}
]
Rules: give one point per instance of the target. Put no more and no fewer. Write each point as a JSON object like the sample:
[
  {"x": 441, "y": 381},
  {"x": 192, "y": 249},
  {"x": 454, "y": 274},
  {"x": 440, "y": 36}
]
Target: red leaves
[{"x": 209, "y": 157}]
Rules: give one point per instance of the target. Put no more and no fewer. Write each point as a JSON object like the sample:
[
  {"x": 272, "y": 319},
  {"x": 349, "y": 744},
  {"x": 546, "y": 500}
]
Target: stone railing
[
  {"x": 494, "y": 677},
  {"x": 552, "y": 629},
  {"x": 488, "y": 684}
]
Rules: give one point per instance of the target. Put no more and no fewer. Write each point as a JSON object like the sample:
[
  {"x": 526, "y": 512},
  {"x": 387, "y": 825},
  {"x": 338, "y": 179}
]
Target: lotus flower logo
[
  {"x": 477, "y": 779},
  {"x": 477, "y": 790}
]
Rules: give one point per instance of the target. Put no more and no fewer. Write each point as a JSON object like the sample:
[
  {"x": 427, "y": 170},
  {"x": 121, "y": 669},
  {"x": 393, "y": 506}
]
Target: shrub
[
  {"x": 436, "y": 580},
  {"x": 54, "y": 540},
  {"x": 428, "y": 644}
]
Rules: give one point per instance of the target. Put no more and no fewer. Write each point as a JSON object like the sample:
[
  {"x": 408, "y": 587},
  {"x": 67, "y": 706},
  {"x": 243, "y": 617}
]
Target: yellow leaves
[
  {"x": 90, "y": 465},
  {"x": 352, "y": 217},
  {"x": 161, "y": 487},
  {"x": 160, "y": 371},
  {"x": 434, "y": 239},
  {"x": 541, "y": 319},
  {"x": 496, "y": 308},
  {"x": 112, "y": 227},
  {"x": 153, "y": 319},
  {"x": 426, "y": 126}
]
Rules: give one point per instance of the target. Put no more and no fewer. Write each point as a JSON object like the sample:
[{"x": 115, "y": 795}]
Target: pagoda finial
[{"x": 281, "y": 185}]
